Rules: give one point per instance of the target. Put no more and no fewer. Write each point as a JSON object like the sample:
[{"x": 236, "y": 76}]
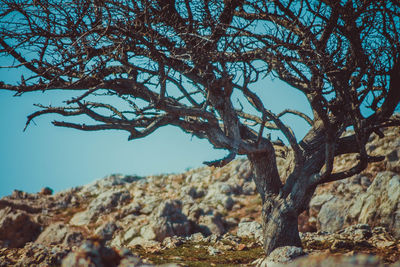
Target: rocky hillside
[{"x": 204, "y": 217}]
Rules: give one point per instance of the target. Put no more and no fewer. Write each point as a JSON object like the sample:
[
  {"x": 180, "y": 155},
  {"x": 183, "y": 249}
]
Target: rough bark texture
[
  {"x": 279, "y": 215},
  {"x": 266, "y": 176},
  {"x": 279, "y": 221}
]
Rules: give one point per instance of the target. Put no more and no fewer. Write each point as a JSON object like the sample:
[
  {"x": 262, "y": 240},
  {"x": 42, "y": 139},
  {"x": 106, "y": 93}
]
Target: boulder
[
  {"x": 144, "y": 243},
  {"x": 109, "y": 199},
  {"x": 192, "y": 191},
  {"x": 219, "y": 194},
  {"x": 285, "y": 254},
  {"x": 73, "y": 238},
  {"x": 148, "y": 203},
  {"x": 103, "y": 203},
  {"x": 53, "y": 234},
  {"x": 82, "y": 218},
  {"x": 167, "y": 220},
  {"x": 249, "y": 188},
  {"x": 358, "y": 201},
  {"x": 93, "y": 254},
  {"x": 250, "y": 230},
  {"x": 106, "y": 230},
  {"x": 380, "y": 205},
  {"x": 332, "y": 214},
  {"x": 211, "y": 223},
  {"x": 17, "y": 228},
  {"x": 202, "y": 175},
  {"x": 173, "y": 242}
]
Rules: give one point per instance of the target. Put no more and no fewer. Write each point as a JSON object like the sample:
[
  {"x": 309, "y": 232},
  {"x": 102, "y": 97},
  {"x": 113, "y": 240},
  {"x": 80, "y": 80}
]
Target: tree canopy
[{"x": 184, "y": 63}]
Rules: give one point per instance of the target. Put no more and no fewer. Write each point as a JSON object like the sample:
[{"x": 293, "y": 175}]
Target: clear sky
[{"x": 45, "y": 155}]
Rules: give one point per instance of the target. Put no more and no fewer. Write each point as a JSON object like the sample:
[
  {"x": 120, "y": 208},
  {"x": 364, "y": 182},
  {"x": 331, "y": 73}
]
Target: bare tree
[{"x": 183, "y": 63}]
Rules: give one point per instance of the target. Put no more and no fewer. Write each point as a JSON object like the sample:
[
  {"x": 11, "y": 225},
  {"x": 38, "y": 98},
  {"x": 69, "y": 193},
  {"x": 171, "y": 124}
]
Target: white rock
[
  {"x": 147, "y": 232},
  {"x": 285, "y": 254},
  {"x": 131, "y": 233},
  {"x": 213, "y": 251},
  {"x": 81, "y": 218},
  {"x": 53, "y": 234},
  {"x": 332, "y": 215},
  {"x": 250, "y": 230}
]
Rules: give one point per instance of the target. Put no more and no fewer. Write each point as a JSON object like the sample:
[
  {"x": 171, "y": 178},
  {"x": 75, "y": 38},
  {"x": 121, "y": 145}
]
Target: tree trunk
[
  {"x": 279, "y": 222},
  {"x": 279, "y": 215}
]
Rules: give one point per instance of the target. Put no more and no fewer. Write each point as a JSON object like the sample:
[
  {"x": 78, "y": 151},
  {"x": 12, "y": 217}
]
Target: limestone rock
[
  {"x": 280, "y": 257},
  {"x": 355, "y": 201},
  {"x": 144, "y": 243},
  {"x": 211, "y": 223},
  {"x": 17, "y": 228},
  {"x": 167, "y": 220},
  {"x": 285, "y": 254},
  {"x": 319, "y": 200},
  {"x": 213, "y": 251},
  {"x": 92, "y": 254},
  {"x": 53, "y": 234},
  {"x": 192, "y": 191},
  {"x": 132, "y": 208},
  {"x": 106, "y": 230},
  {"x": 172, "y": 242},
  {"x": 332, "y": 215},
  {"x": 73, "y": 238},
  {"x": 380, "y": 205},
  {"x": 250, "y": 230},
  {"x": 196, "y": 237},
  {"x": 221, "y": 188},
  {"x": 249, "y": 188},
  {"x": 202, "y": 175},
  {"x": 101, "y": 204},
  {"x": 109, "y": 199},
  {"x": 393, "y": 157},
  {"x": 99, "y": 186},
  {"x": 148, "y": 203},
  {"x": 82, "y": 218}
]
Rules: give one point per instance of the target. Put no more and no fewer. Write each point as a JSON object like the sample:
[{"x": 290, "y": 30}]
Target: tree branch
[
  {"x": 359, "y": 167},
  {"x": 221, "y": 162}
]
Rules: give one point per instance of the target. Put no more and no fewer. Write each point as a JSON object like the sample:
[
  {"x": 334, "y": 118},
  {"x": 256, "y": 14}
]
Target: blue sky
[{"x": 45, "y": 155}]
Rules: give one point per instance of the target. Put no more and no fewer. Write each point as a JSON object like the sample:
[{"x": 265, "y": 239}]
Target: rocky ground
[{"x": 205, "y": 217}]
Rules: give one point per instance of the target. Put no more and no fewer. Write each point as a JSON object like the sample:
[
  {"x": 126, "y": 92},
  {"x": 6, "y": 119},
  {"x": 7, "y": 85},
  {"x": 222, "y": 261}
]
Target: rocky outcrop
[
  {"x": 380, "y": 205},
  {"x": 17, "y": 228},
  {"x": 59, "y": 233},
  {"x": 95, "y": 254},
  {"x": 212, "y": 208},
  {"x": 327, "y": 249},
  {"x": 370, "y": 197},
  {"x": 103, "y": 203},
  {"x": 348, "y": 203}
]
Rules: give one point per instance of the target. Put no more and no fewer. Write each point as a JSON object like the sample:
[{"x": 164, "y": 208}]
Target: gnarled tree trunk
[
  {"x": 279, "y": 222},
  {"x": 280, "y": 210},
  {"x": 279, "y": 216}
]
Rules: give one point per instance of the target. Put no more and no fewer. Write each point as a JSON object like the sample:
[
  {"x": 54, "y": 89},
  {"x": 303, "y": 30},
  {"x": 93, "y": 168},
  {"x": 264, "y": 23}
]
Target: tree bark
[
  {"x": 279, "y": 223},
  {"x": 266, "y": 176},
  {"x": 279, "y": 214}
]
